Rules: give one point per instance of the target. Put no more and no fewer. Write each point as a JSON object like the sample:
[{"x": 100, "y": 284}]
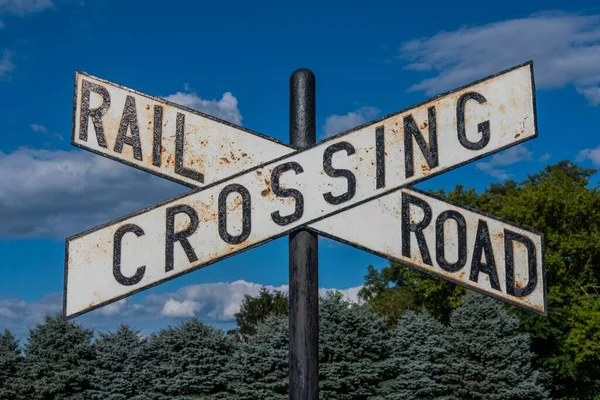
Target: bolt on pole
[{"x": 303, "y": 261}]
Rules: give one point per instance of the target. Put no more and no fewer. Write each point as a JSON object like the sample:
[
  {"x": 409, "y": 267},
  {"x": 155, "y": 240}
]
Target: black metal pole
[{"x": 304, "y": 262}]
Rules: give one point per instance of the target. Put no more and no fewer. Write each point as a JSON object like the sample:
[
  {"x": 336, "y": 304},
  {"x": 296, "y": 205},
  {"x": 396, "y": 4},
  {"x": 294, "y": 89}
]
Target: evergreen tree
[
  {"x": 559, "y": 202},
  {"x": 58, "y": 360},
  {"x": 259, "y": 368},
  {"x": 186, "y": 360},
  {"x": 417, "y": 359},
  {"x": 11, "y": 359},
  {"x": 488, "y": 357},
  {"x": 353, "y": 345},
  {"x": 115, "y": 365}
]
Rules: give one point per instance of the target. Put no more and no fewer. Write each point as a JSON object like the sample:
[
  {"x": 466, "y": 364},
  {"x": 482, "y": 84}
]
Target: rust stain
[
  {"x": 265, "y": 192},
  {"x": 517, "y": 135},
  {"x": 163, "y": 149},
  {"x": 206, "y": 212},
  {"x": 258, "y": 172},
  {"x": 424, "y": 125},
  {"x": 224, "y": 160},
  {"x": 244, "y": 155},
  {"x": 170, "y": 160},
  {"x": 502, "y": 108},
  {"x": 237, "y": 203}
]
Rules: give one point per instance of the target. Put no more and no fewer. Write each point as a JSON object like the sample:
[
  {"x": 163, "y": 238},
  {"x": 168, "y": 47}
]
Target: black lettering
[
  {"x": 461, "y": 243},
  {"x": 334, "y": 173},
  {"x": 157, "y": 140},
  {"x": 117, "y": 273},
  {"x": 483, "y": 127},
  {"x": 85, "y": 112},
  {"x": 129, "y": 119},
  {"x": 429, "y": 151},
  {"x": 417, "y": 228},
  {"x": 380, "y": 156},
  {"x": 281, "y": 192},
  {"x": 246, "y": 214},
  {"x": 179, "y": 144},
  {"x": 181, "y": 236},
  {"x": 509, "y": 238},
  {"x": 483, "y": 245}
]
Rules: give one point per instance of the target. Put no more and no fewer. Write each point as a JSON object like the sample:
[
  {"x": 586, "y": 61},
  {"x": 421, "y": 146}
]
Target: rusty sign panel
[
  {"x": 299, "y": 189},
  {"x": 463, "y": 246},
  {"x": 152, "y": 134}
]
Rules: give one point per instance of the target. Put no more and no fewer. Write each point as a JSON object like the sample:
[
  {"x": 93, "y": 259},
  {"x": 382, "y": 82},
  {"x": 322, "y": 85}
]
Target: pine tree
[
  {"x": 417, "y": 359},
  {"x": 259, "y": 367},
  {"x": 353, "y": 345},
  {"x": 11, "y": 361},
  {"x": 489, "y": 358},
  {"x": 115, "y": 364},
  {"x": 186, "y": 360},
  {"x": 58, "y": 360}
]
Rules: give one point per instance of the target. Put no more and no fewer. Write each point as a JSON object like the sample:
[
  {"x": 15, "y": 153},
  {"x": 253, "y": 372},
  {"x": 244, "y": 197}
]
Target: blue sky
[{"x": 233, "y": 60}]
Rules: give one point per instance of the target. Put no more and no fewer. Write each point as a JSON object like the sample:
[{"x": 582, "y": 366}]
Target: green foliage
[
  {"x": 186, "y": 360},
  {"x": 259, "y": 367},
  {"x": 559, "y": 203},
  {"x": 254, "y": 310},
  {"x": 11, "y": 361},
  {"x": 398, "y": 288},
  {"x": 353, "y": 346},
  {"x": 115, "y": 364},
  {"x": 489, "y": 358},
  {"x": 58, "y": 360},
  {"x": 417, "y": 361}
]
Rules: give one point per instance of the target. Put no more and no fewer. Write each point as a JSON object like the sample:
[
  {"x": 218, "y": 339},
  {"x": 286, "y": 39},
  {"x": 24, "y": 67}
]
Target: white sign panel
[
  {"x": 466, "y": 247},
  {"x": 138, "y": 251},
  {"x": 162, "y": 138}
]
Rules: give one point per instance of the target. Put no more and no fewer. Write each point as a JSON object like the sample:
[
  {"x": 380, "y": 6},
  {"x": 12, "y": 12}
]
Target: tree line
[
  {"x": 479, "y": 355},
  {"x": 413, "y": 337}
]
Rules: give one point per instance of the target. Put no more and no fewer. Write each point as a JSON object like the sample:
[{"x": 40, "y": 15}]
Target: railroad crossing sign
[{"x": 354, "y": 187}]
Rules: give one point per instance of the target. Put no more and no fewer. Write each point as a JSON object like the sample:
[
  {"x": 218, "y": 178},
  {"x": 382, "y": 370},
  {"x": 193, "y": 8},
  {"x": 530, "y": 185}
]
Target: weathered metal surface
[
  {"x": 299, "y": 189},
  {"x": 152, "y": 134},
  {"x": 303, "y": 259},
  {"x": 463, "y": 246}
]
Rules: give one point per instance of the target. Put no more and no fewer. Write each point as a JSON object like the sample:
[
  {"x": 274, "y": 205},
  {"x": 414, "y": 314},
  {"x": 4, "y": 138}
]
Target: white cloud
[
  {"x": 213, "y": 303},
  {"x": 507, "y": 157},
  {"x": 226, "y": 108},
  {"x": 592, "y": 93},
  {"x": 19, "y": 315},
  {"x": 6, "y": 64},
  {"x": 177, "y": 309},
  {"x": 219, "y": 301},
  {"x": 22, "y": 7},
  {"x": 545, "y": 157},
  {"x": 335, "y": 124},
  {"x": 116, "y": 308},
  {"x": 565, "y": 49},
  {"x": 60, "y": 193},
  {"x": 590, "y": 154},
  {"x": 38, "y": 128}
]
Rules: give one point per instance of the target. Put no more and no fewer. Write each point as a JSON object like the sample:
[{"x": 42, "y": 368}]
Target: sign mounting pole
[{"x": 304, "y": 260}]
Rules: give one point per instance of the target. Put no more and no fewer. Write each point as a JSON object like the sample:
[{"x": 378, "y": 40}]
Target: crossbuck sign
[{"x": 355, "y": 187}]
